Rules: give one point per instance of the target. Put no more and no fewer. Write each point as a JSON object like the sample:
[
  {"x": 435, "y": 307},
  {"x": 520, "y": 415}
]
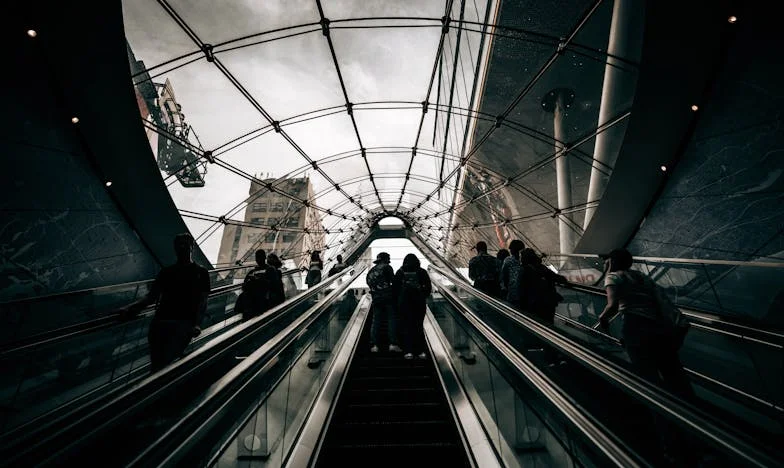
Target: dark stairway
[{"x": 391, "y": 412}]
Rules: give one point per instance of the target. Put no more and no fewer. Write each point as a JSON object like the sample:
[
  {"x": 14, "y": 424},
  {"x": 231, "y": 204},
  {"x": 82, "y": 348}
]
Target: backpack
[
  {"x": 537, "y": 290},
  {"x": 411, "y": 283},
  {"x": 378, "y": 282},
  {"x": 668, "y": 312}
]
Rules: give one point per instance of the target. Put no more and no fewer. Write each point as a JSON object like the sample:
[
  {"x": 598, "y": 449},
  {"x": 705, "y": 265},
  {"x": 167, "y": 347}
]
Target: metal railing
[{"x": 692, "y": 419}]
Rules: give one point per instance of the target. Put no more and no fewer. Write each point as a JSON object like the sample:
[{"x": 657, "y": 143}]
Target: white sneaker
[
  {"x": 422, "y": 356},
  {"x": 393, "y": 348},
  {"x": 374, "y": 349},
  {"x": 408, "y": 356}
]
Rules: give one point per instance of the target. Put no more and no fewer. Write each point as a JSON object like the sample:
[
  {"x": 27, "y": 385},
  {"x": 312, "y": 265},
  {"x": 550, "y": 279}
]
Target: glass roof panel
[
  {"x": 153, "y": 35},
  {"x": 211, "y": 20},
  {"x": 302, "y": 65},
  {"x": 335, "y": 9}
]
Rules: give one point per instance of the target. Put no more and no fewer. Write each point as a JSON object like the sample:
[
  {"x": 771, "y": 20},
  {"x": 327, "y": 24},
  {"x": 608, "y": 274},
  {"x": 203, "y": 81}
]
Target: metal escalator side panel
[
  {"x": 308, "y": 443},
  {"x": 473, "y": 432}
]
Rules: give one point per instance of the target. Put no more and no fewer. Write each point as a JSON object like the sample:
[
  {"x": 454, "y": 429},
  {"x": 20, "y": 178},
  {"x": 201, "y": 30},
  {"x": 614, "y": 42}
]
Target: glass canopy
[{"x": 471, "y": 120}]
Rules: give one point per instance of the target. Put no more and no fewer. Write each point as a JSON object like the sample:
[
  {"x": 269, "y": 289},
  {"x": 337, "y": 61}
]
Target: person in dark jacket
[
  {"x": 380, "y": 279},
  {"x": 484, "y": 270},
  {"x": 510, "y": 273},
  {"x": 255, "y": 289},
  {"x": 314, "y": 269},
  {"x": 501, "y": 256},
  {"x": 181, "y": 292},
  {"x": 412, "y": 287},
  {"x": 538, "y": 295},
  {"x": 338, "y": 267},
  {"x": 277, "y": 293}
]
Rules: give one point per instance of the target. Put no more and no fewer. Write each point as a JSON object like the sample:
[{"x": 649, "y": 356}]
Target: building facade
[{"x": 270, "y": 209}]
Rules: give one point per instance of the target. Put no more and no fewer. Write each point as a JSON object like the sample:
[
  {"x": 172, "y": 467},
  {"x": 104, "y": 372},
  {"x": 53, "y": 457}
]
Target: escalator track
[{"x": 391, "y": 412}]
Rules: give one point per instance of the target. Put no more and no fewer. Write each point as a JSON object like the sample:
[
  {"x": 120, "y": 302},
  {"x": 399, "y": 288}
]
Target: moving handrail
[
  {"x": 213, "y": 405},
  {"x": 710, "y": 321},
  {"x": 698, "y": 422},
  {"x": 104, "y": 412},
  {"x": 687, "y": 261},
  {"x": 111, "y": 319},
  {"x": 608, "y": 444}
]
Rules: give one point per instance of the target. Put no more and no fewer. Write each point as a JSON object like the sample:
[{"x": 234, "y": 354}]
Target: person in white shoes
[
  {"x": 380, "y": 280},
  {"x": 412, "y": 288}
]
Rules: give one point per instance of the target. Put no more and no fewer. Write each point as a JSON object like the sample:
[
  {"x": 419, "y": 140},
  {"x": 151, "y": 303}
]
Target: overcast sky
[{"x": 289, "y": 77}]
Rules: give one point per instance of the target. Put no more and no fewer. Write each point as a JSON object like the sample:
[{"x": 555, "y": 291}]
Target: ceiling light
[
  {"x": 732, "y": 19},
  {"x": 32, "y": 32},
  {"x": 694, "y": 107},
  {"x": 108, "y": 183},
  {"x": 664, "y": 168},
  {"x": 75, "y": 120}
]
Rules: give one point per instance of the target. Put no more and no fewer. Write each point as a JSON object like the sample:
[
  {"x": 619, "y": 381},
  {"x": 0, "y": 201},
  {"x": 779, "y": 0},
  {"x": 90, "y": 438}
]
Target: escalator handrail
[
  {"x": 77, "y": 292},
  {"x": 206, "y": 412},
  {"x": 751, "y": 399},
  {"x": 707, "y": 320},
  {"x": 90, "y": 326},
  {"x": 649, "y": 394},
  {"x": 582, "y": 420},
  {"x": 160, "y": 381},
  {"x": 685, "y": 261}
]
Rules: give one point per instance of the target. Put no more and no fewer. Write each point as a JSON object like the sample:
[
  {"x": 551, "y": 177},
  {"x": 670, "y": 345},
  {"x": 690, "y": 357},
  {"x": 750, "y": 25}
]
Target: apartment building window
[
  {"x": 292, "y": 222},
  {"x": 289, "y": 237},
  {"x": 273, "y": 221},
  {"x": 277, "y": 206},
  {"x": 259, "y": 221},
  {"x": 260, "y": 206},
  {"x": 270, "y": 237}
]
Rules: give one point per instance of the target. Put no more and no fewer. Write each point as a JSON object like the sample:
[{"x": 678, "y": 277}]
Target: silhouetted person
[
  {"x": 510, "y": 273},
  {"x": 277, "y": 293},
  {"x": 501, "y": 256},
  {"x": 181, "y": 292},
  {"x": 314, "y": 270},
  {"x": 255, "y": 289},
  {"x": 538, "y": 295},
  {"x": 485, "y": 271},
  {"x": 412, "y": 287},
  {"x": 380, "y": 279},
  {"x": 338, "y": 267},
  {"x": 651, "y": 342}
]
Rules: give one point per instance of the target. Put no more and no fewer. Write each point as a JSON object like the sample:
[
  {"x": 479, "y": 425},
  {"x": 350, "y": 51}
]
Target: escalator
[
  {"x": 391, "y": 411},
  {"x": 160, "y": 404},
  {"x": 48, "y": 372},
  {"x": 644, "y": 417}
]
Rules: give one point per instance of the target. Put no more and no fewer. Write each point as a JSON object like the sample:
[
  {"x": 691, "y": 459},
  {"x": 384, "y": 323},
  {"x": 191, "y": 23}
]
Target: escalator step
[
  {"x": 393, "y": 395},
  {"x": 443, "y": 454},
  {"x": 397, "y": 432},
  {"x": 391, "y": 412}
]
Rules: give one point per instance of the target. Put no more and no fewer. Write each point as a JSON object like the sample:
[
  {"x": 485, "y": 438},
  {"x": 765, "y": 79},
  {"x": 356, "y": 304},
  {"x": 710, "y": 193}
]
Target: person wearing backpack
[
  {"x": 653, "y": 328},
  {"x": 484, "y": 270},
  {"x": 412, "y": 287},
  {"x": 255, "y": 289},
  {"x": 338, "y": 267},
  {"x": 380, "y": 279},
  {"x": 652, "y": 334},
  {"x": 277, "y": 293},
  {"x": 537, "y": 287}
]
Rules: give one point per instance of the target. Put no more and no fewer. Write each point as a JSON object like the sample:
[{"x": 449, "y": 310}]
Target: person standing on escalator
[
  {"x": 652, "y": 334},
  {"x": 255, "y": 290},
  {"x": 277, "y": 293},
  {"x": 412, "y": 288},
  {"x": 484, "y": 270},
  {"x": 510, "y": 274},
  {"x": 181, "y": 292},
  {"x": 380, "y": 279}
]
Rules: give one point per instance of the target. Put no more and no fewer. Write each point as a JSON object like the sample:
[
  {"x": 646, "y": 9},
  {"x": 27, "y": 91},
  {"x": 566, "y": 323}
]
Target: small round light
[
  {"x": 32, "y": 32},
  {"x": 108, "y": 183},
  {"x": 694, "y": 107},
  {"x": 75, "y": 120},
  {"x": 732, "y": 19},
  {"x": 664, "y": 168}
]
